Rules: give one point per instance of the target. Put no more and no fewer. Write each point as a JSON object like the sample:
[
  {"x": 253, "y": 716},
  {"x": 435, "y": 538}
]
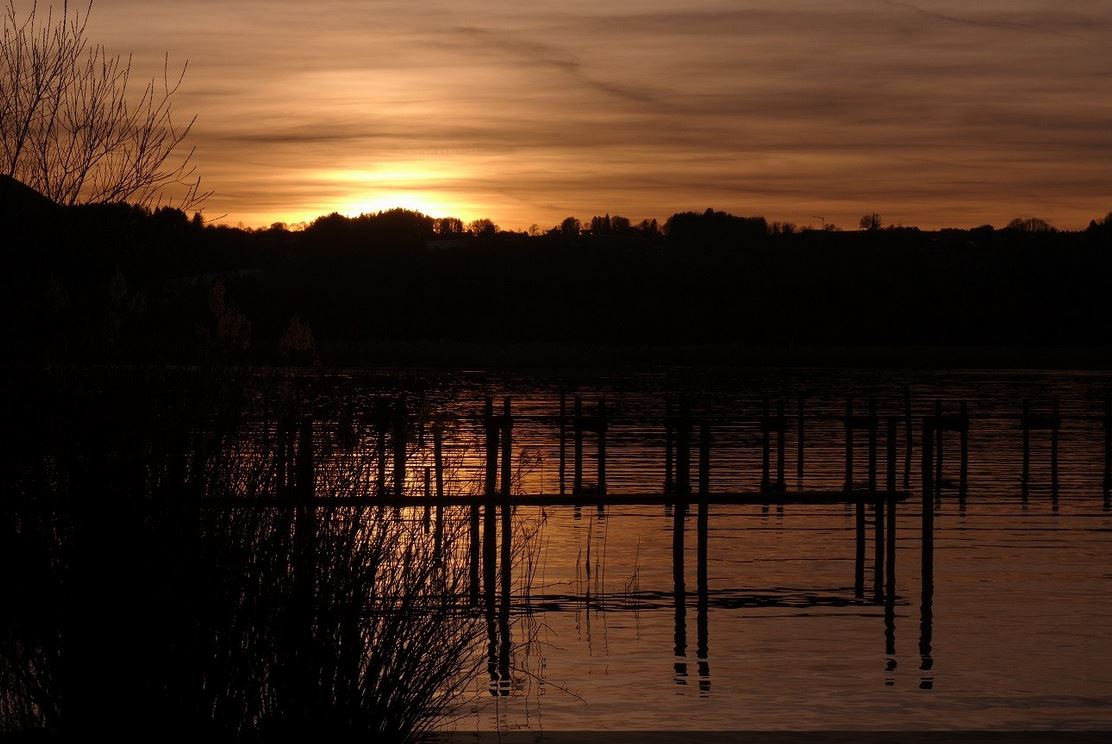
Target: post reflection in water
[
  {"x": 679, "y": 593},
  {"x": 702, "y": 526},
  {"x": 926, "y": 616},
  {"x": 702, "y": 621}
]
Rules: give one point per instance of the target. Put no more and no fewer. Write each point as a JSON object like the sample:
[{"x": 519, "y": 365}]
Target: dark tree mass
[{"x": 123, "y": 283}]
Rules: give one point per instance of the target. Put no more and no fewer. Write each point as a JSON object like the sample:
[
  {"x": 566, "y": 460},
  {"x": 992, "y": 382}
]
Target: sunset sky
[{"x": 938, "y": 112}]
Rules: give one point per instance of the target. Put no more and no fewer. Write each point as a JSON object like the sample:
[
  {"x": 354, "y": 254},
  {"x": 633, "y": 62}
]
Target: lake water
[
  {"x": 1003, "y": 621},
  {"x": 1016, "y": 634}
]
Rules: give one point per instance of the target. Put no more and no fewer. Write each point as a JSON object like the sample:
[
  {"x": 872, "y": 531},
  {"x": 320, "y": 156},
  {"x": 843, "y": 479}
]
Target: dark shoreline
[{"x": 600, "y": 357}]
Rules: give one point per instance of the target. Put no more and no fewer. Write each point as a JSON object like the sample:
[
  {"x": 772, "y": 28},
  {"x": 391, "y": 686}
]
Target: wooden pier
[{"x": 490, "y": 511}]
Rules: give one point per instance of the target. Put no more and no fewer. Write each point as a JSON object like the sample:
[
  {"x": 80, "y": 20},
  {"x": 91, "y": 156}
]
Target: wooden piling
[
  {"x": 669, "y": 427},
  {"x": 909, "y": 436},
  {"x": 859, "y": 544},
  {"x": 1025, "y": 423},
  {"x": 702, "y": 530},
  {"x": 872, "y": 429},
  {"x": 577, "y": 481},
  {"x": 878, "y": 548},
  {"x": 766, "y": 433},
  {"x": 563, "y": 439},
  {"x": 938, "y": 452},
  {"x": 927, "y": 469},
  {"x": 1107, "y": 448},
  {"x": 473, "y": 554},
  {"x": 890, "y": 453},
  {"x": 678, "y": 581},
  {"x": 398, "y": 440},
  {"x": 963, "y": 422},
  {"x": 849, "y": 444},
  {"x": 890, "y": 528},
  {"x": 422, "y": 412},
  {"x": 438, "y": 467},
  {"x": 1055, "y": 423},
  {"x": 704, "y": 460},
  {"x": 505, "y": 645},
  {"x": 381, "y": 424},
  {"x": 507, "y": 461},
  {"x": 799, "y": 443},
  {"x": 683, "y": 451},
  {"x": 490, "y": 550},
  {"x": 704, "y": 513},
  {"x": 859, "y": 532},
  {"x": 507, "y": 488},
  {"x": 926, "y": 621},
  {"x": 489, "y": 516},
  {"x": 780, "y": 447},
  {"x": 927, "y": 525},
  {"x": 602, "y": 425},
  {"x": 428, "y": 499},
  {"x": 702, "y": 600}
]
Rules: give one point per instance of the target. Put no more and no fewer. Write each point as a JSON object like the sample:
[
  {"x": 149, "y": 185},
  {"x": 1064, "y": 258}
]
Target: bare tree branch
[{"x": 69, "y": 127}]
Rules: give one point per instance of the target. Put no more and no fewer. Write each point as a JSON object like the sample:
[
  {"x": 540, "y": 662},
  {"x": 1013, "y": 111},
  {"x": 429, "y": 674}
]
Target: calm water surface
[{"x": 1017, "y": 632}]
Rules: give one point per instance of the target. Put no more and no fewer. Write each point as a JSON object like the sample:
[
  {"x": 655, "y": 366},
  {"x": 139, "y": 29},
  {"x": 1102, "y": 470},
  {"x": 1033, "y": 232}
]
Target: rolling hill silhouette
[{"x": 18, "y": 200}]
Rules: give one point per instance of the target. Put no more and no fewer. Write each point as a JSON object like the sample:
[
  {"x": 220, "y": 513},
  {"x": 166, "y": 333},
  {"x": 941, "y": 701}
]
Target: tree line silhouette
[{"x": 126, "y": 283}]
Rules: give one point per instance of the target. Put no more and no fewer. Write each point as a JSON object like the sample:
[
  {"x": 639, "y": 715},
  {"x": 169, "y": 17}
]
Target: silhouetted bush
[{"x": 130, "y": 607}]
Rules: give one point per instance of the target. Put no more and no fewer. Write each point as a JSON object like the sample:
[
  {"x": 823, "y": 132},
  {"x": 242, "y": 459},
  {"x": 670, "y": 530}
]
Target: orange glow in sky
[{"x": 932, "y": 112}]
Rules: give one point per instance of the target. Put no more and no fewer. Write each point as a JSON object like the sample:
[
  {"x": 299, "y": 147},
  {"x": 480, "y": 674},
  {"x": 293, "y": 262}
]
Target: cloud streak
[{"x": 927, "y": 111}]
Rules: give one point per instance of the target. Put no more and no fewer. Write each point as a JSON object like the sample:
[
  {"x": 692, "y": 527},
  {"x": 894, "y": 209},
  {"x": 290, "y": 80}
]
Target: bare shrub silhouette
[
  {"x": 71, "y": 126},
  {"x": 131, "y": 601}
]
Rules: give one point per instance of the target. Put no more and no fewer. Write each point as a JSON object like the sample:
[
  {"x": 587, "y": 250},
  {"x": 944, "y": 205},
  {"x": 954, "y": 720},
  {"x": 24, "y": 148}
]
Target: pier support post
[
  {"x": 438, "y": 467},
  {"x": 679, "y": 587},
  {"x": 963, "y": 422},
  {"x": 507, "y": 487},
  {"x": 490, "y": 520},
  {"x": 799, "y": 443},
  {"x": 1055, "y": 424},
  {"x": 602, "y": 426},
  {"x": 427, "y": 522},
  {"x": 909, "y": 434},
  {"x": 398, "y": 438},
  {"x": 780, "y": 447},
  {"x": 1107, "y": 451},
  {"x": 669, "y": 431},
  {"x": 577, "y": 480},
  {"x": 872, "y": 429},
  {"x": 683, "y": 453},
  {"x": 765, "y": 448},
  {"x": 563, "y": 440},
  {"x": 928, "y": 459},
  {"x": 473, "y": 555},
  {"x": 890, "y": 527},
  {"x": 381, "y": 424},
  {"x": 849, "y": 444},
  {"x": 926, "y": 621},
  {"x": 938, "y": 452},
  {"x": 1025, "y": 423},
  {"x": 878, "y": 548},
  {"x": 704, "y": 460},
  {"x": 702, "y": 596}
]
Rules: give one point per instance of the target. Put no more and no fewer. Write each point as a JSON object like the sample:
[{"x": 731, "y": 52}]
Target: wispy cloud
[
  {"x": 930, "y": 111},
  {"x": 1002, "y": 22}
]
